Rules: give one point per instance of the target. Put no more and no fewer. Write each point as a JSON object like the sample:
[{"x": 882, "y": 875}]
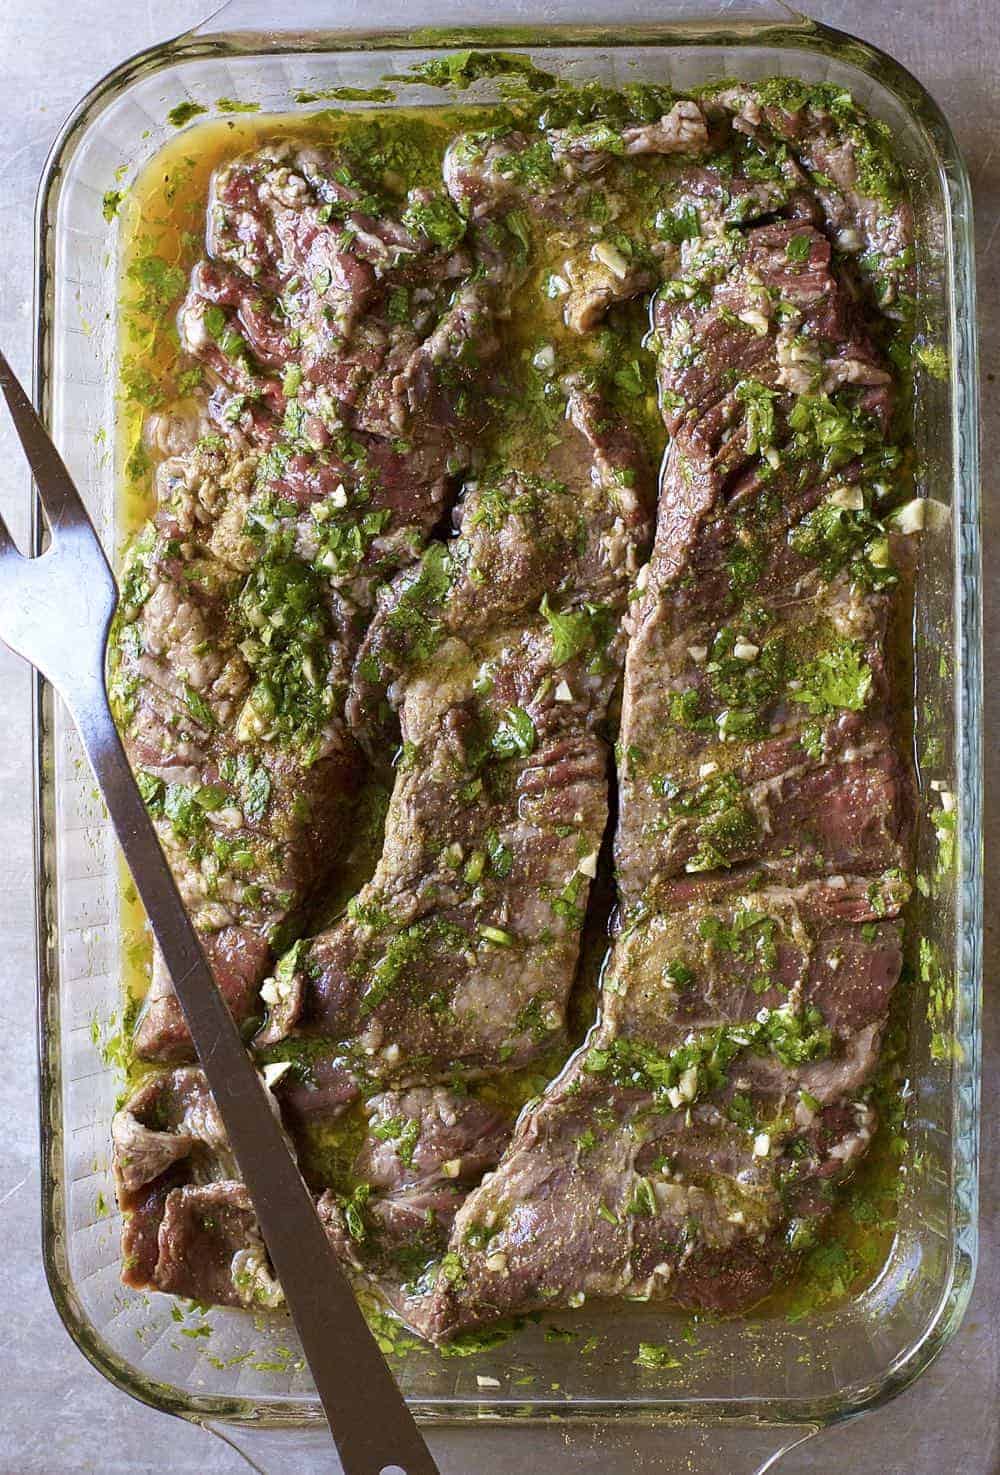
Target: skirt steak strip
[{"x": 689, "y": 1149}]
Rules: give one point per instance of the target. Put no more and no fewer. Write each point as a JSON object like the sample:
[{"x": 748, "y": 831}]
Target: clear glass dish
[{"x": 243, "y": 1376}]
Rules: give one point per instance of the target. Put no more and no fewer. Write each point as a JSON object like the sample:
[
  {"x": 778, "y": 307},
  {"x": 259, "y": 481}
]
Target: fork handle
[{"x": 371, "y": 1425}]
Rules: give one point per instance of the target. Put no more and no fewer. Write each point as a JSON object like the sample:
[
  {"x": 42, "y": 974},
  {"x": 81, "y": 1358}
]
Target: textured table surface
[{"x": 57, "y": 1415}]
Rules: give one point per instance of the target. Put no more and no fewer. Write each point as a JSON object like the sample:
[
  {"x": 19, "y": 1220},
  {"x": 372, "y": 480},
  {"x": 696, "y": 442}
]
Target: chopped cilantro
[
  {"x": 576, "y": 630},
  {"x": 461, "y": 69},
  {"x": 838, "y": 679},
  {"x": 437, "y": 219},
  {"x": 759, "y": 402},
  {"x": 283, "y": 613},
  {"x": 184, "y": 112},
  {"x": 515, "y": 735},
  {"x": 159, "y": 283},
  {"x": 256, "y": 790},
  {"x": 353, "y": 1209},
  {"x": 679, "y": 225},
  {"x": 198, "y": 707},
  {"x": 403, "y": 1133}
]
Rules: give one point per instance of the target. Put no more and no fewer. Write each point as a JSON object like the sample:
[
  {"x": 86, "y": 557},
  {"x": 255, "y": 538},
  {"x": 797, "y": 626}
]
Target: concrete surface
[{"x": 56, "y": 1414}]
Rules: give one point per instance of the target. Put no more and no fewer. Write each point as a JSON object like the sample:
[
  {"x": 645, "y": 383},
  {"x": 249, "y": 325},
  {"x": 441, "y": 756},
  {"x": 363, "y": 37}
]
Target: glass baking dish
[{"x": 242, "y": 1376}]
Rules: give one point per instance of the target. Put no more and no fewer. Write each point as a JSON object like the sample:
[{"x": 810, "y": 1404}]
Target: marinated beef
[
  {"x": 763, "y": 823},
  {"x": 190, "y": 1227},
  {"x": 279, "y": 513},
  {"x": 694, "y": 1141},
  {"x": 501, "y": 652},
  {"x": 424, "y": 1150},
  {"x": 312, "y": 278},
  {"x": 856, "y": 183},
  {"x": 558, "y": 183},
  {"x": 762, "y": 632},
  {"x": 373, "y": 346}
]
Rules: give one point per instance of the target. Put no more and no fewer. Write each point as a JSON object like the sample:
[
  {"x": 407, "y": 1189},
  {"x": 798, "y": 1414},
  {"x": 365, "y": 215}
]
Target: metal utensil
[{"x": 56, "y": 612}]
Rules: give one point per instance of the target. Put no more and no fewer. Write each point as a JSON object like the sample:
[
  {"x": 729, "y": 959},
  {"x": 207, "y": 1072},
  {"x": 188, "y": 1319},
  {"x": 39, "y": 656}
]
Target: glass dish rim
[{"x": 796, "y": 31}]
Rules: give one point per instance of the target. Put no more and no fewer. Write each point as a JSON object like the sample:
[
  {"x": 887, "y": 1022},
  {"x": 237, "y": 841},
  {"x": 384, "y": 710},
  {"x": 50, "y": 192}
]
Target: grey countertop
[{"x": 57, "y": 1415}]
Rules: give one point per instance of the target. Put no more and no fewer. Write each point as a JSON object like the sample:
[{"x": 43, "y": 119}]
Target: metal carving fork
[{"x": 56, "y": 612}]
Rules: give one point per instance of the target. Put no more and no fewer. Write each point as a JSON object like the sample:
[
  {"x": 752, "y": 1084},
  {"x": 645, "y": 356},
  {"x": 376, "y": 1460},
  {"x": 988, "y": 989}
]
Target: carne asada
[{"x": 401, "y": 542}]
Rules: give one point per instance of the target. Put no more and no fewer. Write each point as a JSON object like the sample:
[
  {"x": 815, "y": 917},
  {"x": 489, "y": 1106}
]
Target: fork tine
[{"x": 60, "y": 499}]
